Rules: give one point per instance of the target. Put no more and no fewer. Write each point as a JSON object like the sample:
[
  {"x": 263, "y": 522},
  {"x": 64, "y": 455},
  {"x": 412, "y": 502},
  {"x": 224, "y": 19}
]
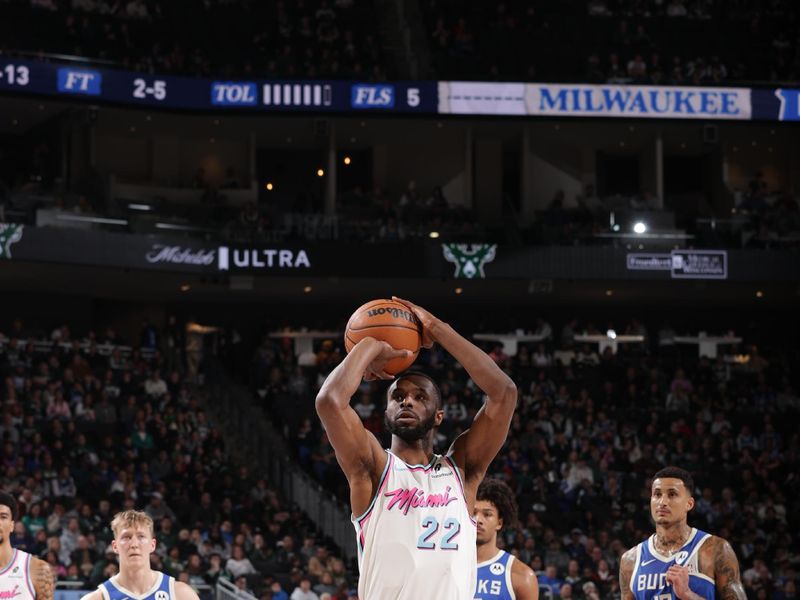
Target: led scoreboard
[{"x": 469, "y": 98}]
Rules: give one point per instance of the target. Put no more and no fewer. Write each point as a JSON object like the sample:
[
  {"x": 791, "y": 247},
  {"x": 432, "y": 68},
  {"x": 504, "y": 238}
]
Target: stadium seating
[
  {"x": 91, "y": 426},
  {"x": 589, "y": 432}
]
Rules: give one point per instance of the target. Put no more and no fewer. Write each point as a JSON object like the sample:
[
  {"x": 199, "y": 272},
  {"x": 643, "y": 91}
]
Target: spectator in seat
[
  {"x": 238, "y": 564},
  {"x": 304, "y": 591}
]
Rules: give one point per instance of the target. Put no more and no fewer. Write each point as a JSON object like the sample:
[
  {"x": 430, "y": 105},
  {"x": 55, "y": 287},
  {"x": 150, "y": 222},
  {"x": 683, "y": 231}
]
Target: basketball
[{"x": 390, "y": 322}]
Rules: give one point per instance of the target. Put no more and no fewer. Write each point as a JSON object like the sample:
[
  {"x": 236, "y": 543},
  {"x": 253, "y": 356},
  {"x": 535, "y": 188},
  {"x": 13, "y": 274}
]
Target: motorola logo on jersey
[
  {"x": 80, "y": 81},
  {"x": 497, "y": 569},
  {"x": 233, "y": 94},
  {"x": 162, "y": 595},
  {"x": 372, "y": 96}
]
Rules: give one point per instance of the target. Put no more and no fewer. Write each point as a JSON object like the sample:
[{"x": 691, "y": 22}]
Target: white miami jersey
[
  {"x": 15, "y": 578},
  {"x": 417, "y": 538}
]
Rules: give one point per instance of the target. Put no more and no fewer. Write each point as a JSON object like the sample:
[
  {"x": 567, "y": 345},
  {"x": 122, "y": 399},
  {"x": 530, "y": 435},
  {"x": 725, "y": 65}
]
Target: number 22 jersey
[{"x": 417, "y": 538}]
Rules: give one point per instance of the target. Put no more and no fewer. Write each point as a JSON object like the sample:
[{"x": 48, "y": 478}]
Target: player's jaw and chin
[{"x": 410, "y": 433}]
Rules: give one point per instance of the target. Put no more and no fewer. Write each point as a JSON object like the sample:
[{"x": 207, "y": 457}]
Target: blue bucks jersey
[
  {"x": 494, "y": 578},
  {"x": 649, "y": 579},
  {"x": 164, "y": 589}
]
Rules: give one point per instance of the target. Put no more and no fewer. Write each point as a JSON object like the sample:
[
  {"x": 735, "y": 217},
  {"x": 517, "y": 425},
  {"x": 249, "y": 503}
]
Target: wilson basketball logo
[{"x": 395, "y": 312}]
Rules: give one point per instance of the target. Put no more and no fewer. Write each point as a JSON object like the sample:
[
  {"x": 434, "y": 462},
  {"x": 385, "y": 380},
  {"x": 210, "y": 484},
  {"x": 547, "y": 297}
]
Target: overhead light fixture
[
  {"x": 347, "y": 160},
  {"x": 459, "y": 290},
  {"x": 611, "y": 334},
  {"x": 86, "y": 219},
  {"x": 615, "y": 227},
  {"x": 137, "y": 206},
  {"x": 308, "y": 289},
  {"x": 269, "y": 187},
  {"x": 639, "y": 227},
  {"x": 178, "y": 227},
  {"x": 433, "y": 235},
  {"x": 609, "y": 292},
  {"x": 185, "y": 287},
  {"x": 320, "y": 173},
  {"x": 759, "y": 294}
]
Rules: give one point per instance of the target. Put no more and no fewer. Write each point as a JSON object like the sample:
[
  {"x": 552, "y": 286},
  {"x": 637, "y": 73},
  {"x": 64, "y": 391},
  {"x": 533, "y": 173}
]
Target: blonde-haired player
[
  {"x": 133, "y": 543},
  {"x": 22, "y": 576}
]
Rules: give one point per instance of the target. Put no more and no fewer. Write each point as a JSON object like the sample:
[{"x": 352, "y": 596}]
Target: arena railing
[
  {"x": 261, "y": 445},
  {"x": 227, "y": 591},
  {"x": 45, "y": 346}
]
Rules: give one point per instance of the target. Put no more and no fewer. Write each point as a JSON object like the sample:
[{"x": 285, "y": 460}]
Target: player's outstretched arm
[
  {"x": 726, "y": 571},
  {"x": 524, "y": 582},
  {"x": 357, "y": 450},
  {"x": 184, "y": 591},
  {"x": 475, "y": 449},
  {"x": 44, "y": 582},
  {"x": 626, "y": 566}
]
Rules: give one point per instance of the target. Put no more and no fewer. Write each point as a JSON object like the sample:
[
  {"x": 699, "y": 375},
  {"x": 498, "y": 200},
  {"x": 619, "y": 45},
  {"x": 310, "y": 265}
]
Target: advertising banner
[
  {"x": 418, "y": 259},
  {"x": 584, "y": 100}
]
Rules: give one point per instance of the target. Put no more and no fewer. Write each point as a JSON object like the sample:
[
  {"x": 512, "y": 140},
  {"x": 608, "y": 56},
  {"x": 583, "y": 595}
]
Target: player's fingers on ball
[{"x": 407, "y": 303}]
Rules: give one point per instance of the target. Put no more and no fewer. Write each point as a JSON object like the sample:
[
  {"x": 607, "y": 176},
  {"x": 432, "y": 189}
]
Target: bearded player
[
  {"x": 412, "y": 509},
  {"x": 500, "y": 575},
  {"x": 678, "y": 561}
]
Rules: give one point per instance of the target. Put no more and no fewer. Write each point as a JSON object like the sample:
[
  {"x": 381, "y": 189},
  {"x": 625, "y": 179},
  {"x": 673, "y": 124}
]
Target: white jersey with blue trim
[
  {"x": 15, "y": 578},
  {"x": 417, "y": 538},
  {"x": 649, "y": 578},
  {"x": 494, "y": 578},
  {"x": 163, "y": 589}
]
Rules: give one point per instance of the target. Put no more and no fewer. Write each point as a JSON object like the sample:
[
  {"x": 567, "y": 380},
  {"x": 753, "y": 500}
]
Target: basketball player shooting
[
  {"x": 678, "y": 561},
  {"x": 412, "y": 509}
]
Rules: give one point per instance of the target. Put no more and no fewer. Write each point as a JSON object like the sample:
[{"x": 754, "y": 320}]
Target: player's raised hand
[
  {"x": 678, "y": 578},
  {"x": 425, "y": 318},
  {"x": 375, "y": 370}
]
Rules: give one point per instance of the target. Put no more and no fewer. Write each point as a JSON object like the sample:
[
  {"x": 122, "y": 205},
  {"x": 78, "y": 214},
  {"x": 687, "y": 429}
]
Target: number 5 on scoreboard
[{"x": 412, "y": 97}]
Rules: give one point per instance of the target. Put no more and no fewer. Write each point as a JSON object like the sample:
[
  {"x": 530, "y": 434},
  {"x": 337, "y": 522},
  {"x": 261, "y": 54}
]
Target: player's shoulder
[
  {"x": 39, "y": 567},
  {"x": 524, "y": 580},
  {"x": 521, "y": 570},
  {"x": 628, "y": 557},
  {"x": 93, "y": 595},
  {"x": 183, "y": 591},
  {"x": 715, "y": 545}
]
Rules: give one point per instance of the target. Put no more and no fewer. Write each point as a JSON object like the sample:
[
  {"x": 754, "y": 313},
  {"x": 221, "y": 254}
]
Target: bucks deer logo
[
  {"x": 9, "y": 234},
  {"x": 469, "y": 258}
]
